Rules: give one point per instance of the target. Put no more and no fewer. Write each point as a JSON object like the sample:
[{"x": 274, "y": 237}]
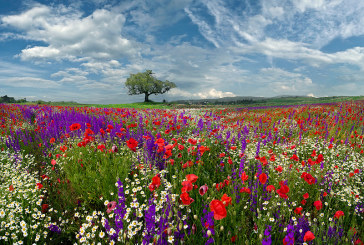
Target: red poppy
[
  {"x": 246, "y": 190},
  {"x": 53, "y": 162},
  {"x": 226, "y": 200},
  {"x": 11, "y": 188},
  {"x": 132, "y": 144},
  {"x": 270, "y": 188},
  {"x": 279, "y": 168},
  {"x": 186, "y": 199},
  {"x": 298, "y": 210},
  {"x": 52, "y": 140},
  {"x": 44, "y": 207},
  {"x": 283, "y": 191},
  {"x": 192, "y": 178},
  {"x": 218, "y": 208},
  {"x": 244, "y": 177},
  {"x": 339, "y": 213},
  {"x": 263, "y": 178},
  {"x": 187, "y": 186},
  {"x": 39, "y": 185},
  {"x": 306, "y": 195},
  {"x": 318, "y": 204},
  {"x": 156, "y": 182},
  {"x": 309, "y": 236},
  {"x": 75, "y": 126}
]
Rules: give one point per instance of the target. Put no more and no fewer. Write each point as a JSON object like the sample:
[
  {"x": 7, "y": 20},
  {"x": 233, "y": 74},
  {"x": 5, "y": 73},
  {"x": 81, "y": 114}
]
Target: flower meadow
[{"x": 258, "y": 175}]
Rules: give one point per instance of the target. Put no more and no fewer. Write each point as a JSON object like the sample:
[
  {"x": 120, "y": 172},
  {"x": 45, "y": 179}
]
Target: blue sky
[{"x": 84, "y": 50}]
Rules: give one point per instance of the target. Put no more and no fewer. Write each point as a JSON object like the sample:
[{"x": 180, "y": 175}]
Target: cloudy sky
[{"x": 84, "y": 50}]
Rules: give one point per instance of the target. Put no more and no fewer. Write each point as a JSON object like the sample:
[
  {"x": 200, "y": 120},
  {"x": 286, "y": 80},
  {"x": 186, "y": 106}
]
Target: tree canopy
[{"x": 145, "y": 83}]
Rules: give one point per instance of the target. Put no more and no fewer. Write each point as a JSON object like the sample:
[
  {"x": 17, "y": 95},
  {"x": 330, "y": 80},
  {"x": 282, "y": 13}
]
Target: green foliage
[{"x": 145, "y": 83}]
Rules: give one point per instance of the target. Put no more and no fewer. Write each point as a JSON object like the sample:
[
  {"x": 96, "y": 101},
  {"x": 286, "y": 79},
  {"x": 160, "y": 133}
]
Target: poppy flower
[
  {"x": 203, "y": 189},
  {"x": 192, "y": 178},
  {"x": 53, "y": 162},
  {"x": 298, "y": 210},
  {"x": 309, "y": 236},
  {"x": 339, "y": 213},
  {"x": 44, "y": 207},
  {"x": 111, "y": 206},
  {"x": 263, "y": 178},
  {"x": 283, "y": 191},
  {"x": 52, "y": 140},
  {"x": 306, "y": 195},
  {"x": 187, "y": 186},
  {"x": 11, "y": 188},
  {"x": 244, "y": 177},
  {"x": 318, "y": 204},
  {"x": 279, "y": 168},
  {"x": 156, "y": 182},
  {"x": 132, "y": 144},
  {"x": 270, "y": 188},
  {"x": 39, "y": 185},
  {"x": 246, "y": 190},
  {"x": 186, "y": 199},
  {"x": 75, "y": 126},
  {"x": 218, "y": 208},
  {"x": 226, "y": 200}
]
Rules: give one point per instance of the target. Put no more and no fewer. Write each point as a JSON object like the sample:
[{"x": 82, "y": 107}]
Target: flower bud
[
  {"x": 208, "y": 233},
  {"x": 221, "y": 228},
  {"x": 194, "y": 228},
  {"x": 195, "y": 216}
]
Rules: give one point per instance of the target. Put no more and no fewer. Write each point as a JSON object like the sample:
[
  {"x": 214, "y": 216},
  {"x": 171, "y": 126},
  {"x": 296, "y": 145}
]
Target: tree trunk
[{"x": 146, "y": 98}]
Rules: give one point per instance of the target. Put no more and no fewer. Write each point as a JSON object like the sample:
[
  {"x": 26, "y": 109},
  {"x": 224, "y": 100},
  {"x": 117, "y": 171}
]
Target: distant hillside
[{"x": 284, "y": 99}]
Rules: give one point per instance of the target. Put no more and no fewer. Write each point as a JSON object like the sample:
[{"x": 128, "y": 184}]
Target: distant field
[{"x": 254, "y": 103}]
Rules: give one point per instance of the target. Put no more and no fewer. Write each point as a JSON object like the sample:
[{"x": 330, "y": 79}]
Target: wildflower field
[{"x": 263, "y": 175}]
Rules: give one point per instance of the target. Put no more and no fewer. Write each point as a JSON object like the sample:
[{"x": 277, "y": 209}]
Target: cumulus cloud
[
  {"x": 68, "y": 35},
  {"x": 208, "y": 94}
]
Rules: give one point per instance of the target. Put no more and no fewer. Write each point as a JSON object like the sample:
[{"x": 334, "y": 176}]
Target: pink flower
[
  {"x": 203, "y": 189},
  {"x": 111, "y": 206}
]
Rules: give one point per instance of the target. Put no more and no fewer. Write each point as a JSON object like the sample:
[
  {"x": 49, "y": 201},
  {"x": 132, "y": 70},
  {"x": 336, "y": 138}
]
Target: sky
[{"x": 83, "y": 51}]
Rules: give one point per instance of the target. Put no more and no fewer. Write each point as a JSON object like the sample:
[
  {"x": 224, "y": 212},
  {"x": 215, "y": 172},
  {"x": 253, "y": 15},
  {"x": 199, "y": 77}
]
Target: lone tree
[{"x": 145, "y": 83}]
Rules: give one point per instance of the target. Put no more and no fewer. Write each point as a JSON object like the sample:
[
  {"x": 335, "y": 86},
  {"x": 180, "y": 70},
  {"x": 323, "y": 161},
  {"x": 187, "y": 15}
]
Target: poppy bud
[
  {"x": 208, "y": 233},
  {"x": 221, "y": 228},
  {"x": 195, "y": 216},
  {"x": 194, "y": 228}
]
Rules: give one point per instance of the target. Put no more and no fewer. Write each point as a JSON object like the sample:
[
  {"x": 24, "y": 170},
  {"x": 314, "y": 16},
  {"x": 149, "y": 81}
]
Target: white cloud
[
  {"x": 208, "y": 94},
  {"x": 29, "y": 82},
  {"x": 69, "y": 35}
]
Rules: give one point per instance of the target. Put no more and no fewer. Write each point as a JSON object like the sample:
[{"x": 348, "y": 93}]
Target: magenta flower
[
  {"x": 111, "y": 206},
  {"x": 203, "y": 189}
]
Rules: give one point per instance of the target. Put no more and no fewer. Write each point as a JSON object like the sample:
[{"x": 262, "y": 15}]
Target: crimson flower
[
  {"x": 75, "y": 126},
  {"x": 298, "y": 210},
  {"x": 192, "y": 178},
  {"x": 244, "y": 177},
  {"x": 218, "y": 208},
  {"x": 186, "y": 199},
  {"x": 132, "y": 144},
  {"x": 226, "y": 200},
  {"x": 318, "y": 204},
  {"x": 187, "y": 186},
  {"x": 263, "y": 178},
  {"x": 339, "y": 213},
  {"x": 270, "y": 188},
  {"x": 309, "y": 236}
]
